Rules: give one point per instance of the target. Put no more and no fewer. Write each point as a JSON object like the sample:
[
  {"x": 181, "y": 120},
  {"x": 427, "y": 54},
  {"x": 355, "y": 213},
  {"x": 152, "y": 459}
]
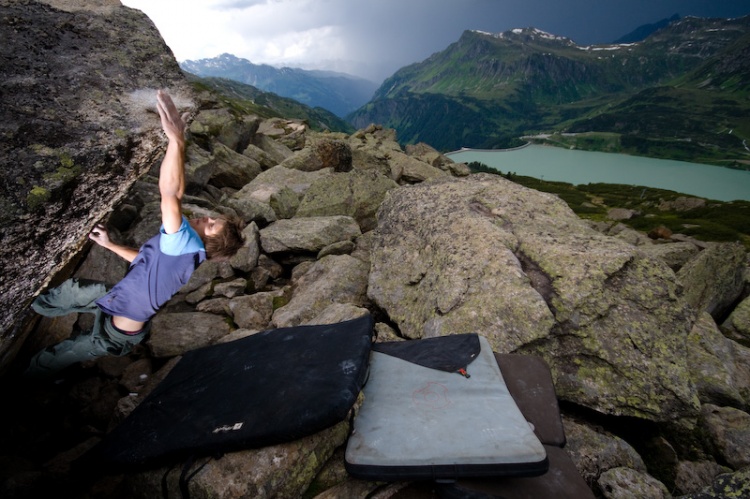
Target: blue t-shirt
[{"x": 163, "y": 265}]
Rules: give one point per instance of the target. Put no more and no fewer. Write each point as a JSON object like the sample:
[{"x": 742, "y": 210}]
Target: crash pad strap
[{"x": 445, "y": 353}]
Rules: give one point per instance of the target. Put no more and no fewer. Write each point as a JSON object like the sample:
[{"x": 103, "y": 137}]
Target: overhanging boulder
[{"x": 79, "y": 126}]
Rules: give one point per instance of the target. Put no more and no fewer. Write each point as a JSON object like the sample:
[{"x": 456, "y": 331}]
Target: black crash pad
[
  {"x": 562, "y": 481},
  {"x": 272, "y": 387},
  {"x": 529, "y": 382}
]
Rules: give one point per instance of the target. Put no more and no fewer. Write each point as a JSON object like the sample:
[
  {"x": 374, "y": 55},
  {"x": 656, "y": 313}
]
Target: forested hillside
[{"x": 680, "y": 93}]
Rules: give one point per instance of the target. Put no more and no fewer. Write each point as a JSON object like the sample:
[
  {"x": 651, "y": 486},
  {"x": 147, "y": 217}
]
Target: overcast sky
[{"x": 374, "y": 38}]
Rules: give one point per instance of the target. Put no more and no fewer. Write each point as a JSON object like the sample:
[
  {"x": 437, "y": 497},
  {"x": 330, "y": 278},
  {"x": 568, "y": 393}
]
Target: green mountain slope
[
  {"x": 338, "y": 92},
  {"x": 488, "y": 90},
  {"x": 249, "y": 99},
  {"x": 644, "y": 31}
]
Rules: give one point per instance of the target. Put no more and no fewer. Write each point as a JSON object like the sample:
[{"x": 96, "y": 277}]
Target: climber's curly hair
[{"x": 225, "y": 244}]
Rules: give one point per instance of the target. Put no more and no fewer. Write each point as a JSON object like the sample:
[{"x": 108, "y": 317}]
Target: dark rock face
[{"x": 77, "y": 126}]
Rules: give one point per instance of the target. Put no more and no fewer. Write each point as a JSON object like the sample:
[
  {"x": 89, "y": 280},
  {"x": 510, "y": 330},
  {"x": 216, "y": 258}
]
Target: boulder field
[{"x": 647, "y": 339}]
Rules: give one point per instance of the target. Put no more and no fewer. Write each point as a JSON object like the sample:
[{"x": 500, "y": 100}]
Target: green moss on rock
[{"x": 37, "y": 197}]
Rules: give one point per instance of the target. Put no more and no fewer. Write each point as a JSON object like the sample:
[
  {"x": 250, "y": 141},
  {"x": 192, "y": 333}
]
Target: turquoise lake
[{"x": 583, "y": 167}]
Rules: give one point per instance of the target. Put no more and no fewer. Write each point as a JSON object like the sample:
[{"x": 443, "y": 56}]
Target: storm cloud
[{"x": 374, "y": 38}]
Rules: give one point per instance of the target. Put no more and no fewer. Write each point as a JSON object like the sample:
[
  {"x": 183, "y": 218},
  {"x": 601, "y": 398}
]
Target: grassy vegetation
[
  {"x": 714, "y": 221},
  {"x": 669, "y": 122},
  {"x": 245, "y": 99},
  {"x": 663, "y": 148}
]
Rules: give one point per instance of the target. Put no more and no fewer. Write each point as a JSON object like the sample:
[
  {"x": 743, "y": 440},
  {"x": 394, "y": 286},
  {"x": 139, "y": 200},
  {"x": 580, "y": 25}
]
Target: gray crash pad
[{"x": 420, "y": 422}]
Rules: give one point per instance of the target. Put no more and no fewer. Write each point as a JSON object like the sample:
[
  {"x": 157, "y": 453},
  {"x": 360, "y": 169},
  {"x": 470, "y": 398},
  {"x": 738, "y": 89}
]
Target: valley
[
  {"x": 678, "y": 89},
  {"x": 681, "y": 93}
]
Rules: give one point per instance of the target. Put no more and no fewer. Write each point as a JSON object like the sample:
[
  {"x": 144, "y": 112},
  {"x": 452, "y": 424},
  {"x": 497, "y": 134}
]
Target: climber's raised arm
[{"x": 172, "y": 173}]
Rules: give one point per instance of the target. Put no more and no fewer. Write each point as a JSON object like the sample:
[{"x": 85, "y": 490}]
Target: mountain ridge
[
  {"x": 494, "y": 88},
  {"x": 269, "y": 105},
  {"x": 643, "y": 31},
  {"x": 339, "y": 93}
]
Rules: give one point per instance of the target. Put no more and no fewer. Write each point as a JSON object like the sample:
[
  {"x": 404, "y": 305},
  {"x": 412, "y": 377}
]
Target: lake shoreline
[
  {"x": 552, "y": 145},
  {"x": 510, "y": 149},
  {"x": 578, "y": 167}
]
